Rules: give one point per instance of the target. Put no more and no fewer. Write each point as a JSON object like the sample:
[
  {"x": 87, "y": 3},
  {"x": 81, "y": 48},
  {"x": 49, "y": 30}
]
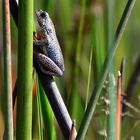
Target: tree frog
[{"x": 50, "y": 58}]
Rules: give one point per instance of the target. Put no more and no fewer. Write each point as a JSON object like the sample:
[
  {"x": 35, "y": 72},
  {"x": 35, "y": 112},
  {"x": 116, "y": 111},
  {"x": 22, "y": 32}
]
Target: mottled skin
[{"x": 50, "y": 59}]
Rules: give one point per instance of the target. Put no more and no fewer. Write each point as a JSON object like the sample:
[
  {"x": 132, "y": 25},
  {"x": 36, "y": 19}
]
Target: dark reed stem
[{"x": 132, "y": 83}]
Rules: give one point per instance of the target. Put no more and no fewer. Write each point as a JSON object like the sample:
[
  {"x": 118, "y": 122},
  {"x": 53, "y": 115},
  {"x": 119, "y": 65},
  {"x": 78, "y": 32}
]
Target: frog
[{"x": 50, "y": 59}]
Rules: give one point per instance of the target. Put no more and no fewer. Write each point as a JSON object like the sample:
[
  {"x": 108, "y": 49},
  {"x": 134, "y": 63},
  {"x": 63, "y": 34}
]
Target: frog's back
[
  {"x": 53, "y": 48},
  {"x": 55, "y": 54}
]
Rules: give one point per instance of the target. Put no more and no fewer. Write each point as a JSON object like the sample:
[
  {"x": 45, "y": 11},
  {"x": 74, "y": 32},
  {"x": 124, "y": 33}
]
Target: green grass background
[{"x": 73, "y": 85}]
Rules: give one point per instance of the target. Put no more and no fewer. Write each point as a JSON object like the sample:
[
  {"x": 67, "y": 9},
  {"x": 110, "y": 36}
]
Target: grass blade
[
  {"x": 98, "y": 40},
  {"x": 74, "y": 91},
  {"x": 89, "y": 76},
  {"x": 48, "y": 117},
  {"x": 40, "y": 126}
]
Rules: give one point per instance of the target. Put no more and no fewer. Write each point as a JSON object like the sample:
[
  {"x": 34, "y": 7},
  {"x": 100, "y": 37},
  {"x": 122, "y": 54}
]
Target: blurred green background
[{"x": 77, "y": 40}]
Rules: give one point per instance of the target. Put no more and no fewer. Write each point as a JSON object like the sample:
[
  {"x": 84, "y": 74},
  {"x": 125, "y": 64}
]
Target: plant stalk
[
  {"x": 25, "y": 63},
  {"x": 8, "y": 133}
]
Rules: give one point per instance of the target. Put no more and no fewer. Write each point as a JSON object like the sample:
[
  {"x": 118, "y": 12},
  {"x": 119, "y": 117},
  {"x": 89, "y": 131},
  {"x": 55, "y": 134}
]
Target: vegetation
[{"x": 94, "y": 50}]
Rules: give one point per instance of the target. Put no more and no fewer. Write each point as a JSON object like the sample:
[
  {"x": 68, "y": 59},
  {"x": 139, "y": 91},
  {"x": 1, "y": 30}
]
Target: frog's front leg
[
  {"x": 42, "y": 42},
  {"x": 47, "y": 66}
]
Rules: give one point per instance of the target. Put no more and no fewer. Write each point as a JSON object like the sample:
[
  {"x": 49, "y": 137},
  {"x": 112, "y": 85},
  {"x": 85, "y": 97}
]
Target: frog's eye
[
  {"x": 49, "y": 31},
  {"x": 43, "y": 15}
]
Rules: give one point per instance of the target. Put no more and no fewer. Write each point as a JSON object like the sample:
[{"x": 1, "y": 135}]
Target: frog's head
[
  {"x": 42, "y": 17},
  {"x": 44, "y": 22}
]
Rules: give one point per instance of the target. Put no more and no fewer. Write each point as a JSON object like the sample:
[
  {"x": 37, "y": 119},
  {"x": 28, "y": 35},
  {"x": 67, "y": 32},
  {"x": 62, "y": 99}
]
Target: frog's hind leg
[{"x": 47, "y": 66}]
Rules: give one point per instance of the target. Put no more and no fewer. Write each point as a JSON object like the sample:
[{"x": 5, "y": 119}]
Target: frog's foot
[{"x": 37, "y": 42}]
